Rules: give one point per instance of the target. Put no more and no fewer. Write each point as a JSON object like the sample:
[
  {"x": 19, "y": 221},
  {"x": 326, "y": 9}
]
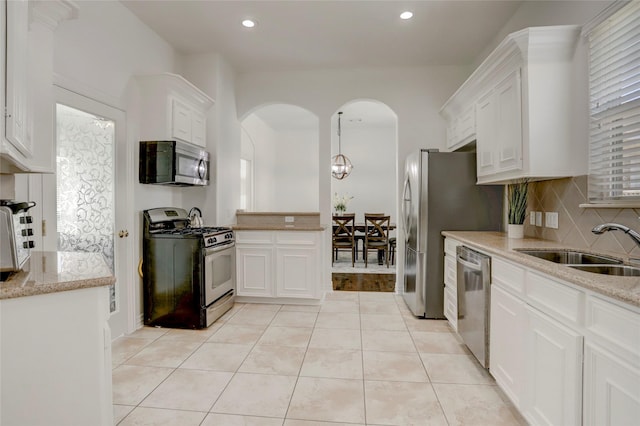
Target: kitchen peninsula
[
  {"x": 55, "y": 353},
  {"x": 279, "y": 257}
]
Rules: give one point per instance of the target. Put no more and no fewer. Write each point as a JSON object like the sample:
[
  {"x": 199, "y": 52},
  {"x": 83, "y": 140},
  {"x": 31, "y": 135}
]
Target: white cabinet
[
  {"x": 27, "y": 143},
  {"x": 507, "y": 343},
  {"x": 254, "y": 271},
  {"x": 172, "y": 108},
  {"x": 535, "y": 354},
  {"x": 279, "y": 264},
  {"x": 611, "y": 388},
  {"x": 553, "y": 393},
  {"x": 16, "y": 77},
  {"x": 523, "y": 108},
  {"x": 451, "y": 282},
  {"x": 499, "y": 129},
  {"x": 542, "y": 329},
  {"x": 55, "y": 359},
  {"x": 611, "y": 364},
  {"x": 461, "y": 127}
]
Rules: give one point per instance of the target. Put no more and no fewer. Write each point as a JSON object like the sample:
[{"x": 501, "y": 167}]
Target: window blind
[{"x": 614, "y": 94}]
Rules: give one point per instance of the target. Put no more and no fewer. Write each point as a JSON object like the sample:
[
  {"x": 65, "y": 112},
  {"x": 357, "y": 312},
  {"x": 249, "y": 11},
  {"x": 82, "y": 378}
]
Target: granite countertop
[
  {"x": 52, "y": 272},
  {"x": 624, "y": 289},
  {"x": 266, "y": 227}
]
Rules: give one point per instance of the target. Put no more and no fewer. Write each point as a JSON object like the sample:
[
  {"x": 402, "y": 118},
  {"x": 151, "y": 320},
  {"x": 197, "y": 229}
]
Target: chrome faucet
[{"x": 602, "y": 228}]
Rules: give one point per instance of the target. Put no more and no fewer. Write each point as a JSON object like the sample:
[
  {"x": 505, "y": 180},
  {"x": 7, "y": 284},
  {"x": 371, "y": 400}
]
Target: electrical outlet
[
  {"x": 532, "y": 218},
  {"x": 551, "y": 220},
  {"x": 538, "y": 218}
]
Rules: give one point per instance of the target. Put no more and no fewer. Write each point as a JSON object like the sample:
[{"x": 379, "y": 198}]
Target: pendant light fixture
[{"x": 340, "y": 165}]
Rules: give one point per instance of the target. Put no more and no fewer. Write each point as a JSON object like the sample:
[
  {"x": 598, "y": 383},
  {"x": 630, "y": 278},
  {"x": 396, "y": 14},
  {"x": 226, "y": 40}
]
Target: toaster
[{"x": 16, "y": 234}]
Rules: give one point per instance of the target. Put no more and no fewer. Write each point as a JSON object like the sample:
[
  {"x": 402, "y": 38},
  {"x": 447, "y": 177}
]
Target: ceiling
[{"x": 321, "y": 34}]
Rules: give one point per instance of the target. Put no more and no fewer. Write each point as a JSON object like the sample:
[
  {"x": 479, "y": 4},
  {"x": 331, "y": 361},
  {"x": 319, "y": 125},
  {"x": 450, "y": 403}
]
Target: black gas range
[{"x": 188, "y": 272}]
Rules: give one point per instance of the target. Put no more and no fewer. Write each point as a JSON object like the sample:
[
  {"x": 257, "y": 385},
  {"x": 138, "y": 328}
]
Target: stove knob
[
  {"x": 26, "y": 219},
  {"x": 27, "y": 232},
  {"x": 210, "y": 241},
  {"x": 28, "y": 244}
]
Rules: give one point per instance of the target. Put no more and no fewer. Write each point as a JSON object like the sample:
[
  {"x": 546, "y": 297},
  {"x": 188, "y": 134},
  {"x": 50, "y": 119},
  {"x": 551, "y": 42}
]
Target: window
[{"x": 614, "y": 96}]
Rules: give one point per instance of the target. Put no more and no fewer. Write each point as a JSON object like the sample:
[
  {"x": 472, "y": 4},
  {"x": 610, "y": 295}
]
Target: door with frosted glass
[{"x": 90, "y": 191}]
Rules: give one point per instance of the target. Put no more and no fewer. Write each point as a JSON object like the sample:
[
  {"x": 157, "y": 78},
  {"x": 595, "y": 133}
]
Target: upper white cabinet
[
  {"x": 461, "y": 127},
  {"x": 16, "y": 78},
  {"x": 172, "y": 108},
  {"x": 521, "y": 95},
  {"x": 499, "y": 128},
  {"x": 28, "y": 129}
]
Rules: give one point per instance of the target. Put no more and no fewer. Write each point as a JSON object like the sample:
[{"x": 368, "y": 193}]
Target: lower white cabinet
[
  {"x": 553, "y": 394},
  {"x": 542, "y": 330},
  {"x": 611, "y": 388},
  {"x": 55, "y": 359},
  {"x": 254, "y": 271},
  {"x": 451, "y": 282},
  {"x": 507, "y": 343},
  {"x": 279, "y": 264}
]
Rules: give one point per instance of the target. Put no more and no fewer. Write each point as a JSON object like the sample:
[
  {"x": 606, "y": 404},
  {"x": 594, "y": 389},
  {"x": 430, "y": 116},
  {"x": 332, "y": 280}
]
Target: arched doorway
[{"x": 369, "y": 140}]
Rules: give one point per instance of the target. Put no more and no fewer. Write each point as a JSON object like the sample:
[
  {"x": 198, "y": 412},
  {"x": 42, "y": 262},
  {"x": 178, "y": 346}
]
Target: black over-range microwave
[{"x": 173, "y": 163}]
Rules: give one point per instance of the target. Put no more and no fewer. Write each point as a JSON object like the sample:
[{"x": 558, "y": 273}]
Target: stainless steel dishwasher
[{"x": 474, "y": 295}]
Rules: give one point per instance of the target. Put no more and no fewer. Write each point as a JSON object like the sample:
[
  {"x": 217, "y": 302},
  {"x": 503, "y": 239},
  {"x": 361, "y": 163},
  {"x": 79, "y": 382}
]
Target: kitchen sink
[
  {"x": 619, "y": 270},
  {"x": 571, "y": 257}
]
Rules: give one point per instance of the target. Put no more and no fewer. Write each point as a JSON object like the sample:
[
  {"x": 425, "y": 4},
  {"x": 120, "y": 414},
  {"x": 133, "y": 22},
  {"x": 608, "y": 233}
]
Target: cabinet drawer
[
  {"x": 615, "y": 325},
  {"x": 254, "y": 237},
  {"x": 555, "y": 299},
  {"x": 507, "y": 275},
  {"x": 450, "y": 246},
  {"x": 296, "y": 238},
  {"x": 450, "y": 272}
]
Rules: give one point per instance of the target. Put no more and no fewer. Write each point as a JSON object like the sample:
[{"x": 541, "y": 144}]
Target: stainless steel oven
[
  {"x": 188, "y": 273},
  {"x": 219, "y": 279}
]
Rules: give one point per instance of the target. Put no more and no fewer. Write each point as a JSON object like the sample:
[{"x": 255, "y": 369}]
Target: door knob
[{"x": 123, "y": 233}]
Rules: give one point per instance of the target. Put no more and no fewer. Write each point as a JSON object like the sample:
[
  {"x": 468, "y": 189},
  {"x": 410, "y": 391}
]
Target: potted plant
[
  {"x": 517, "y": 199},
  {"x": 340, "y": 203}
]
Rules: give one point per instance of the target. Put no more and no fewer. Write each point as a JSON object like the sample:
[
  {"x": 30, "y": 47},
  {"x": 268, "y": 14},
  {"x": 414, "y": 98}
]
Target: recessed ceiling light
[
  {"x": 406, "y": 15},
  {"x": 248, "y": 23}
]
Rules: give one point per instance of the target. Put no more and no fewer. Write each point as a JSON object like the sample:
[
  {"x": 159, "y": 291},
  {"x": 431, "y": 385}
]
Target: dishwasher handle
[{"x": 471, "y": 265}]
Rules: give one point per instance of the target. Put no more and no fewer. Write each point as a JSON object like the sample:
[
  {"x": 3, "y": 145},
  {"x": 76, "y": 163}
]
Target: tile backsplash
[{"x": 575, "y": 223}]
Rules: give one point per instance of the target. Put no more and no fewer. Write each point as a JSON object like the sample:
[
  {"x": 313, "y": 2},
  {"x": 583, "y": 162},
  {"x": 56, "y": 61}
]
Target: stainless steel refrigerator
[{"x": 440, "y": 194}]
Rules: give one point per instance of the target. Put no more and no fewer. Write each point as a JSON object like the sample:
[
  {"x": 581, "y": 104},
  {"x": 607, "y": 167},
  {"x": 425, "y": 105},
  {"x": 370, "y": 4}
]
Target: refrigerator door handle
[{"x": 406, "y": 208}]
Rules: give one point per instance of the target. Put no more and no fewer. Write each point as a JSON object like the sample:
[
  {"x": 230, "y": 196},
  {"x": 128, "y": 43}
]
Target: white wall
[
  {"x": 219, "y": 201},
  {"x": 296, "y": 171},
  {"x": 414, "y": 94},
  {"x": 264, "y": 140},
  {"x": 285, "y": 162}
]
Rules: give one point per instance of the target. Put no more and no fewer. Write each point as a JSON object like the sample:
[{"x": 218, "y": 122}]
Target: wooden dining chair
[
  {"x": 343, "y": 235},
  {"x": 376, "y": 235}
]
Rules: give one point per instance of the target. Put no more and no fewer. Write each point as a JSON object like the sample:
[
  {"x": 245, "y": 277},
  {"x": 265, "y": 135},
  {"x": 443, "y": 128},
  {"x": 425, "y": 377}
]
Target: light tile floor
[{"x": 357, "y": 359}]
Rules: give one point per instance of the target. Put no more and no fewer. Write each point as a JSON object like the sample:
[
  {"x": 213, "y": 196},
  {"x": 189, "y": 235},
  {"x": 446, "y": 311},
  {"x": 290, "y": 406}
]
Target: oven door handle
[{"x": 228, "y": 295}]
